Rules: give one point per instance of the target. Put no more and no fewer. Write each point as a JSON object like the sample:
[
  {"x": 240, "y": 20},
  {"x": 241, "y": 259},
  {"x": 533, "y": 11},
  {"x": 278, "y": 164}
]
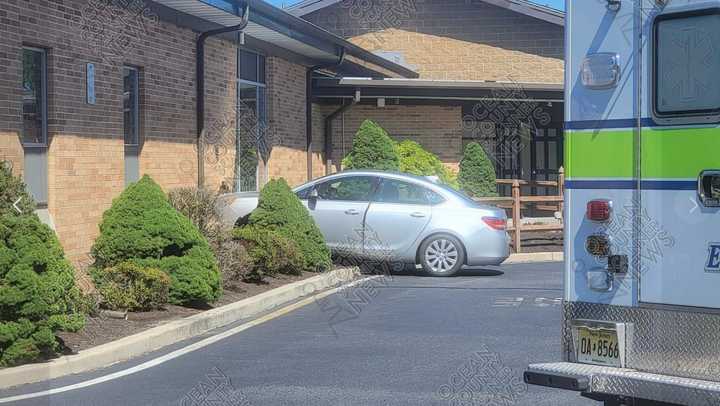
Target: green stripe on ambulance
[{"x": 667, "y": 153}]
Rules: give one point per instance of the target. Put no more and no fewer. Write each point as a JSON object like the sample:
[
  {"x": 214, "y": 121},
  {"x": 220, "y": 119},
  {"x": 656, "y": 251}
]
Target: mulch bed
[{"x": 102, "y": 329}]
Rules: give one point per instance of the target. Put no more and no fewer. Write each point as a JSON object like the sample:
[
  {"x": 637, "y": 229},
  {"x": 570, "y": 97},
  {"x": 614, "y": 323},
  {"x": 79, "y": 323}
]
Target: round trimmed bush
[
  {"x": 372, "y": 149},
  {"x": 416, "y": 160},
  {"x": 128, "y": 286},
  {"x": 279, "y": 210},
  {"x": 12, "y": 189},
  {"x": 38, "y": 294},
  {"x": 270, "y": 253},
  {"x": 477, "y": 173},
  {"x": 142, "y": 227}
]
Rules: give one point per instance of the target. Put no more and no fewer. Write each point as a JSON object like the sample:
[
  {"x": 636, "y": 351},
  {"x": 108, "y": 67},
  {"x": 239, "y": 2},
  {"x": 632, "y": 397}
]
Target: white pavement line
[{"x": 182, "y": 351}]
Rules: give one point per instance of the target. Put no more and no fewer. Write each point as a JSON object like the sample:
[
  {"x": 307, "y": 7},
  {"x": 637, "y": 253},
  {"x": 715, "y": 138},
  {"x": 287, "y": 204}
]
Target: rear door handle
[
  {"x": 417, "y": 214},
  {"x": 352, "y": 212}
]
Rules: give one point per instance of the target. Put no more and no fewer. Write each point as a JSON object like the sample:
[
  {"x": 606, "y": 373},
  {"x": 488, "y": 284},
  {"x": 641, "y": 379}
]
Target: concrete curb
[
  {"x": 534, "y": 257},
  {"x": 158, "y": 337}
]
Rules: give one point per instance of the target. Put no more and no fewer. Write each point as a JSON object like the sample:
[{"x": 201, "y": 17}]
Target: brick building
[
  {"x": 95, "y": 93},
  {"x": 489, "y": 71}
]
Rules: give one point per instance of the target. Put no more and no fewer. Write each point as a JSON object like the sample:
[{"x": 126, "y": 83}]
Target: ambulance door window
[{"x": 686, "y": 64}]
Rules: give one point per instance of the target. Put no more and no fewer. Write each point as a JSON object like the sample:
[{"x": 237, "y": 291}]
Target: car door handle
[
  {"x": 352, "y": 212},
  {"x": 417, "y": 214}
]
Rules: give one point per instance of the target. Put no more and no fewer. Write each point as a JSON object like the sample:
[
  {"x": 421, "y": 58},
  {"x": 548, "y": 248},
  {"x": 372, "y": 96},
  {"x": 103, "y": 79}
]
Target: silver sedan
[{"x": 396, "y": 218}]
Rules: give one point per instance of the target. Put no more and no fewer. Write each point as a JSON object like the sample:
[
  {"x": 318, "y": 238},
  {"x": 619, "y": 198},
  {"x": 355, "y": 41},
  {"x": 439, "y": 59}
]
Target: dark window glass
[
  {"x": 395, "y": 191},
  {"x": 434, "y": 198},
  {"x": 250, "y": 124},
  {"x": 249, "y": 67},
  {"x": 687, "y": 65},
  {"x": 303, "y": 194},
  {"x": 251, "y": 120},
  {"x": 356, "y": 188},
  {"x": 131, "y": 111},
  {"x": 34, "y": 97}
]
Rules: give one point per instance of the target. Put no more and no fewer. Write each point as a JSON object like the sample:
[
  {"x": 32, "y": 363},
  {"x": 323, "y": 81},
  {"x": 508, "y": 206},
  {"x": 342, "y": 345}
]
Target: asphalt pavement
[{"x": 402, "y": 339}]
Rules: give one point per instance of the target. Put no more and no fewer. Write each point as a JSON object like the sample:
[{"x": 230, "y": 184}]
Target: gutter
[
  {"x": 308, "y": 108},
  {"x": 200, "y": 88}
]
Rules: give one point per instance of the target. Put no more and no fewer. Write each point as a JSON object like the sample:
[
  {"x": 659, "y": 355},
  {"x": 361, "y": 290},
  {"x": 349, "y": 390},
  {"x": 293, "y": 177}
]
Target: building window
[
  {"x": 251, "y": 120},
  {"x": 34, "y": 96},
  {"x": 34, "y": 136},
  {"x": 686, "y": 65},
  {"x": 131, "y": 110},
  {"x": 131, "y": 122}
]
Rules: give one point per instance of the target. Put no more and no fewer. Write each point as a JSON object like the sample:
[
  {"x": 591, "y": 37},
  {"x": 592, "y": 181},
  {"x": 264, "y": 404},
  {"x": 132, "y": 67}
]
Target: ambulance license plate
[{"x": 598, "y": 346}]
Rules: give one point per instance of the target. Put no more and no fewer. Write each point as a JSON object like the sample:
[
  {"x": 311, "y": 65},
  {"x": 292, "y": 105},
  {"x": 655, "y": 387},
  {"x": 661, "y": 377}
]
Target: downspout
[
  {"x": 328, "y": 130},
  {"x": 308, "y": 107},
  {"x": 200, "y": 88}
]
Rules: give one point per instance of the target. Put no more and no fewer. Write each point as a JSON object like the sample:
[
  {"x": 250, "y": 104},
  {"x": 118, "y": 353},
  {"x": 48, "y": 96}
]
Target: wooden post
[
  {"x": 561, "y": 191},
  {"x": 516, "y": 214}
]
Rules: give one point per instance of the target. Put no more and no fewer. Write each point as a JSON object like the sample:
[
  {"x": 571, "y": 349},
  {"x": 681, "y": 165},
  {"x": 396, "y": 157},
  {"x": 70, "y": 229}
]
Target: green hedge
[
  {"x": 128, "y": 286},
  {"x": 38, "y": 294},
  {"x": 143, "y": 228},
  {"x": 12, "y": 189},
  {"x": 372, "y": 149},
  {"x": 477, "y": 173},
  {"x": 270, "y": 253},
  {"x": 416, "y": 160},
  {"x": 279, "y": 210}
]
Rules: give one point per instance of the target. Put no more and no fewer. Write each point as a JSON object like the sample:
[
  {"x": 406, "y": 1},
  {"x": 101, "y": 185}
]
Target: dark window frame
[
  {"x": 136, "y": 105},
  {"x": 260, "y": 67},
  {"x": 44, "y": 98},
  {"x": 710, "y": 115},
  {"x": 261, "y": 106}
]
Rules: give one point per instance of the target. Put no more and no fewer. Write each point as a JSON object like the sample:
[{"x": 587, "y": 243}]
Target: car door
[
  {"x": 399, "y": 212},
  {"x": 340, "y": 209}
]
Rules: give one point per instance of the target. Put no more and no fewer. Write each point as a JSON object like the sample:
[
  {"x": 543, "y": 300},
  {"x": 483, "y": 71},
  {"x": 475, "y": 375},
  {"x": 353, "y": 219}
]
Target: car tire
[{"x": 441, "y": 255}]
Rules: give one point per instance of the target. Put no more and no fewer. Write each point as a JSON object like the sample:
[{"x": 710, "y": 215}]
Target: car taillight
[
  {"x": 598, "y": 210},
  {"x": 496, "y": 223}
]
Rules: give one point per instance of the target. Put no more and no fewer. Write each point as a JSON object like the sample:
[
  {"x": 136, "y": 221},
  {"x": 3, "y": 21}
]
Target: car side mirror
[{"x": 313, "y": 198}]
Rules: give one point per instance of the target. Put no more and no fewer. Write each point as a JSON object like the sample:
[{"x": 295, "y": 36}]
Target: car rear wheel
[{"x": 442, "y": 255}]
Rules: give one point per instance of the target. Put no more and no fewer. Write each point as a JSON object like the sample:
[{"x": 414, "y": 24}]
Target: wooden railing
[{"x": 516, "y": 203}]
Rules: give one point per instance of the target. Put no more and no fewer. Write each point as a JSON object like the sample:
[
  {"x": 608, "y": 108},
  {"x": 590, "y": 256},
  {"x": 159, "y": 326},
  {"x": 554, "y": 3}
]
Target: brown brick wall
[
  {"x": 437, "y": 128},
  {"x": 286, "y": 119},
  {"x": 86, "y": 158},
  {"x": 455, "y": 39}
]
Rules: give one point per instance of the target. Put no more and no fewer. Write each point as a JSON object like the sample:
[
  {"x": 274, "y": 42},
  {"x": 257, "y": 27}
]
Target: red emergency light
[{"x": 598, "y": 210}]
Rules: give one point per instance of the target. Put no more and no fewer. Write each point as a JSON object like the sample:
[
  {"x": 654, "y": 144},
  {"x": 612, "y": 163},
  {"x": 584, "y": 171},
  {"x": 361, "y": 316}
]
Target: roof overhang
[
  {"x": 271, "y": 25},
  {"x": 528, "y": 8},
  {"x": 419, "y": 89}
]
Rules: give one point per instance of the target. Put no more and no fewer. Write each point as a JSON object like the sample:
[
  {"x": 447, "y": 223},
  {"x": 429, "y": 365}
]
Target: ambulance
[{"x": 641, "y": 309}]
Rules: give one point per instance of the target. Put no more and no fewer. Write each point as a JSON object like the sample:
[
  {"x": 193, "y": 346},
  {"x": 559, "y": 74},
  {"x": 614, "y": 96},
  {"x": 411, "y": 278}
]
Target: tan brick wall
[
  {"x": 456, "y": 39},
  {"x": 318, "y": 145},
  {"x": 286, "y": 119},
  {"x": 437, "y": 128}
]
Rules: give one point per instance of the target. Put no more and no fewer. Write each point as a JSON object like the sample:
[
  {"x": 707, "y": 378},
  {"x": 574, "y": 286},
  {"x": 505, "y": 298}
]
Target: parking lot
[{"x": 398, "y": 339}]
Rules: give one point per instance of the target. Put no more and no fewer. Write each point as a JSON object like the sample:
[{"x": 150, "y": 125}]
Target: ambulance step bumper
[{"x": 624, "y": 382}]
